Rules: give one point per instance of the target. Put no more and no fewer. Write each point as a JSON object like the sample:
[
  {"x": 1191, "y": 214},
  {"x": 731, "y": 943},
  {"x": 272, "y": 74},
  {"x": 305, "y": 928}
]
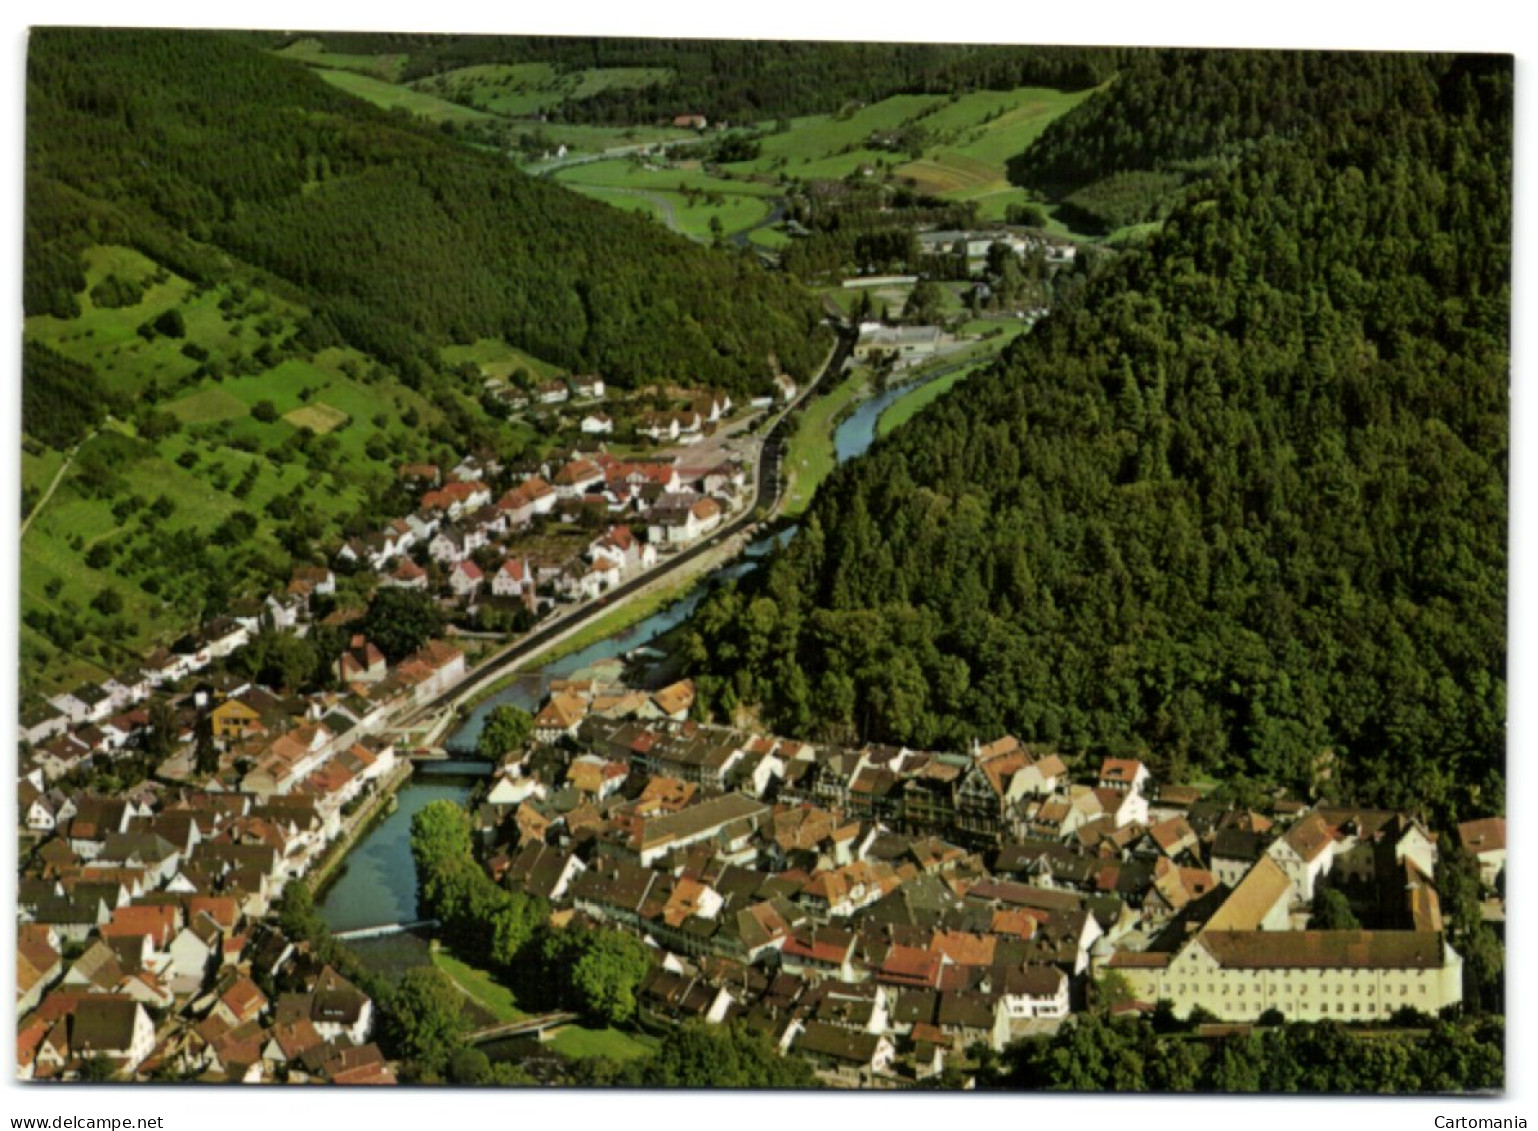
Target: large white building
[{"x": 1306, "y": 975}]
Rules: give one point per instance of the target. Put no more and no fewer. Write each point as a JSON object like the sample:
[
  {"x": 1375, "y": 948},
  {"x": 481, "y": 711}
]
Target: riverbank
[
  {"x": 810, "y": 456},
  {"x": 916, "y": 399},
  {"x": 377, "y": 806}
]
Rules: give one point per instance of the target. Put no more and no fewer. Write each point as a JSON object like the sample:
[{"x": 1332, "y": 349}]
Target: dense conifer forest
[
  {"x": 1239, "y": 505},
  {"x": 205, "y": 153},
  {"x": 1171, "y": 115}
]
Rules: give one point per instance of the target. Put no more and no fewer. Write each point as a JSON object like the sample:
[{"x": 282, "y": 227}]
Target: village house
[
  {"x": 589, "y": 386},
  {"x": 458, "y": 499},
  {"x": 1485, "y": 840},
  {"x": 681, "y": 519},
  {"x": 551, "y": 392},
  {"x": 577, "y": 477},
  {"x": 361, "y": 663},
  {"x": 514, "y": 580},
  {"x": 466, "y": 579},
  {"x": 1305, "y": 852},
  {"x": 406, "y": 575}
]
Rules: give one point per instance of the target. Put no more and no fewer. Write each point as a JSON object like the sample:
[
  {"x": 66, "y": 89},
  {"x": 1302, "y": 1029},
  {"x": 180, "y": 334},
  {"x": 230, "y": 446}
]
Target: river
[{"x": 378, "y": 884}]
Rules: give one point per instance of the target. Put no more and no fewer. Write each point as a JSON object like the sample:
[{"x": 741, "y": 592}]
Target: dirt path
[{"x": 57, "y": 479}]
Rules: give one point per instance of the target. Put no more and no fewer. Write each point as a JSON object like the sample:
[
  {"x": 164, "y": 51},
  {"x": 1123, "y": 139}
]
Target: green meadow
[
  {"x": 520, "y": 90},
  {"x": 390, "y": 96},
  {"x": 810, "y": 457},
  {"x": 497, "y": 359},
  {"x": 679, "y": 197},
  {"x": 906, "y": 407},
  {"x": 387, "y": 68}
]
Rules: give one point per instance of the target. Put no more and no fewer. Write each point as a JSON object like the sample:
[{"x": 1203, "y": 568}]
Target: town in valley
[{"x": 764, "y": 565}]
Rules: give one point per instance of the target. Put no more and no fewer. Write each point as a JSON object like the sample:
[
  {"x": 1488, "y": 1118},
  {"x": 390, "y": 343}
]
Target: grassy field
[
  {"x": 572, "y": 1041},
  {"x": 809, "y": 457},
  {"x": 207, "y": 406},
  {"x": 622, "y": 173},
  {"x": 389, "y": 96},
  {"x": 969, "y": 138},
  {"x": 498, "y": 359},
  {"x": 769, "y": 238},
  {"x": 908, "y": 406},
  {"x": 387, "y": 68},
  {"x": 520, "y": 90},
  {"x": 38, "y": 470},
  {"x": 660, "y": 192},
  {"x": 976, "y": 134},
  {"x": 578, "y": 1043},
  {"x": 318, "y": 418},
  {"x": 735, "y": 213},
  {"x": 495, "y": 998}
]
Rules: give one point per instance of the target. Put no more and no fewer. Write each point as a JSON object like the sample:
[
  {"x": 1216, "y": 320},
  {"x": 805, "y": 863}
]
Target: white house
[
  {"x": 466, "y": 579},
  {"x": 678, "y": 520},
  {"x": 1485, "y": 840},
  {"x": 1034, "y": 991},
  {"x": 113, "y": 1027},
  {"x": 1305, "y": 853},
  {"x": 515, "y": 580}
]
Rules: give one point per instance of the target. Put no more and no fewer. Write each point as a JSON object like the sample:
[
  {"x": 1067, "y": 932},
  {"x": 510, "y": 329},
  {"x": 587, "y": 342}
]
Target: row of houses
[
  {"x": 480, "y": 547},
  {"x": 142, "y": 940}
]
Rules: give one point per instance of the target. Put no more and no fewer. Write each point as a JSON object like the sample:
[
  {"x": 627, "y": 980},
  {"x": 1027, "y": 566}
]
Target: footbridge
[{"x": 521, "y": 1028}]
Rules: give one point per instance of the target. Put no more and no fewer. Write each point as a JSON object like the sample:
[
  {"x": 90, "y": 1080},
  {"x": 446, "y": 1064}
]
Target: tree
[
  {"x": 172, "y": 324},
  {"x": 924, "y": 303},
  {"x": 161, "y": 735},
  {"x": 206, "y": 754},
  {"x": 98, "y": 1070},
  {"x": 439, "y": 830},
  {"x": 265, "y": 411},
  {"x": 399, "y": 621},
  {"x": 297, "y": 913},
  {"x": 428, "y": 1020},
  {"x": 697, "y": 1055},
  {"x": 108, "y": 602},
  {"x": 1110, "y": 990},
  {"x": 1332, "y": 912},
  {"x": 601, "y": 970},
  {"x": 513, "y": 927},
  {"x": 469, "y": 1066},
  {"x": 506, "y": 728}
]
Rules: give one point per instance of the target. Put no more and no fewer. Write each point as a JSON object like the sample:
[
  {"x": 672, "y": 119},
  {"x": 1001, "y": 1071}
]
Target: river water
[{"x": 378, "y": 884}]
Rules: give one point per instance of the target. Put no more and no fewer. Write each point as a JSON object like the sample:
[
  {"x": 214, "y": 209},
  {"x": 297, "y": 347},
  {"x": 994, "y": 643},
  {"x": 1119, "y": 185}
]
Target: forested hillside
[
  {"x": 1170, "y": 115},
  {"x": 193, "y": 148},
  {"x": 1240, "y": 506}
]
